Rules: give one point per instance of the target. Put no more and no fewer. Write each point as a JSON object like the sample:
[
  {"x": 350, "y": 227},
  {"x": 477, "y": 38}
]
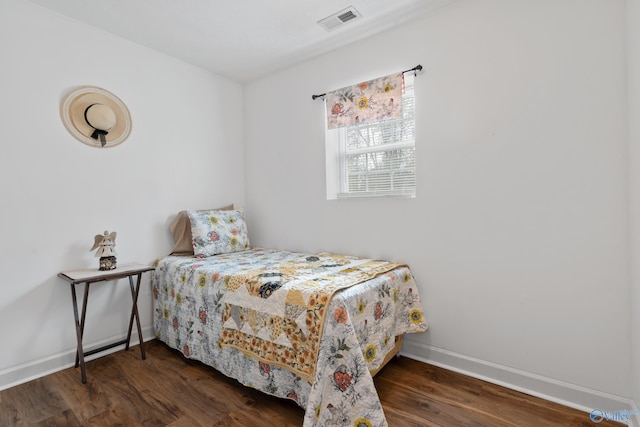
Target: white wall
[
  {"x": 633, "y": 40},
  {"x": 185, "y": 151},
  {"x": 519, "y": 234}
]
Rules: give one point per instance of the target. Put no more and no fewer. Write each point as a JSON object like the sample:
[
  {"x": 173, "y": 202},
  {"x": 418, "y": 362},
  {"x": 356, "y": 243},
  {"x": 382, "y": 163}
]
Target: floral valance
[{"x": 371, "y": 101}]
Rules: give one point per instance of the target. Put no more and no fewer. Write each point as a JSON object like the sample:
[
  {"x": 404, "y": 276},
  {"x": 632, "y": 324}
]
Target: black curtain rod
[{"x": 415, "y": 69}]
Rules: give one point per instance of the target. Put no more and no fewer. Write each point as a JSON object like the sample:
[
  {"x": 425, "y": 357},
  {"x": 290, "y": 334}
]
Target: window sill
[{"x": 375, "y": 195}]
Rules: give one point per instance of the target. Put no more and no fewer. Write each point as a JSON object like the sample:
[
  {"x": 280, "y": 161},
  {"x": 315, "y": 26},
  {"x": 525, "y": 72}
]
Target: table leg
[
  {"x": 79, "y": 330},
  {"x": 85, "y": 299},
  {"x": 134, "y": 313}
]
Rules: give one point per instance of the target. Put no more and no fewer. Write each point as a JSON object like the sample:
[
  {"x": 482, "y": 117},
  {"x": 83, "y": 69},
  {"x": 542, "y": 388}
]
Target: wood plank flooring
[{"x": 169, "y": 390}]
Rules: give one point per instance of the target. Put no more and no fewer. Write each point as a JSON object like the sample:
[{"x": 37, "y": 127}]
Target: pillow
[
  {"x": 181, "y": 230},
  {"x": 218, "y": 232}
]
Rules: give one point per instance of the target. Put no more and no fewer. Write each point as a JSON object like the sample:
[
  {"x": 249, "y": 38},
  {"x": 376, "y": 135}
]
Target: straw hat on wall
[{"x": 95, "y": 116}]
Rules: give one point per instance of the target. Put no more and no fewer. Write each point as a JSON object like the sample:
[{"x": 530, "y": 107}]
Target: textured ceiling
[{"x": 239, "y": 39}]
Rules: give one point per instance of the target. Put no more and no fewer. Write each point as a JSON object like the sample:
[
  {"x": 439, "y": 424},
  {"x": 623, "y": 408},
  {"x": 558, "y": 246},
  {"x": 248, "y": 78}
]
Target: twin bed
[{"x": 313, "y": 328}]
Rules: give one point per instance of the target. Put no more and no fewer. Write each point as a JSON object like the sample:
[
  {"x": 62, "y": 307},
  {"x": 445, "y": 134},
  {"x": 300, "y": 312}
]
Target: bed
[{"x": 313, "y": 328}]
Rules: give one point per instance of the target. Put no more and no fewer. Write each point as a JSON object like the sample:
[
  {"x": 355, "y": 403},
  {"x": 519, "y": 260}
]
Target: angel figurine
[{"x": 105, "y": 244}]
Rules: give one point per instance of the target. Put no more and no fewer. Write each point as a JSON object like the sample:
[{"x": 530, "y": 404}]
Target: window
[{"x": 374, "y": 159}]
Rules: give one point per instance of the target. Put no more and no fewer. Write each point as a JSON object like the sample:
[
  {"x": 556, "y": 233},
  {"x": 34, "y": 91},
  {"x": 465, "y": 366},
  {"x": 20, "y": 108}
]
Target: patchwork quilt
[{"x": 289, "y": 324}]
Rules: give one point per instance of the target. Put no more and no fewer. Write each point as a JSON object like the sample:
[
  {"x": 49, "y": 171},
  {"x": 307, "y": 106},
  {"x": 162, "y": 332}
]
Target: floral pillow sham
[{"x": 218, "y": 232}]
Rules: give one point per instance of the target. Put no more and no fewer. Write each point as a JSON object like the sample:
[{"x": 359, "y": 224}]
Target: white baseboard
[
  {"x": 571, "y": 395},
  {"x": 26, "y": 372}
]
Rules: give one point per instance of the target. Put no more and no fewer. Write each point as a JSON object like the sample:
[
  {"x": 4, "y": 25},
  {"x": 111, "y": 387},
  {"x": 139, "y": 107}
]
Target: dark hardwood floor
[{"x": 168, "y": 390}]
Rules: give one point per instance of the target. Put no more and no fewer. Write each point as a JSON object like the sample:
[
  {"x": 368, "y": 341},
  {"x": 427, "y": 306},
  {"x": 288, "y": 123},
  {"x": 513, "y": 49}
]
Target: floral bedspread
[{"x": 359, "y": 329}]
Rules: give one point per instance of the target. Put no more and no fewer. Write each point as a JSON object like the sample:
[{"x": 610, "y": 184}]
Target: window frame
[{"x": 337, "y": 155}]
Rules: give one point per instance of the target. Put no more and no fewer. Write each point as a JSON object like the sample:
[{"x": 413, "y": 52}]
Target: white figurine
[{"x": 105, "y": 243}]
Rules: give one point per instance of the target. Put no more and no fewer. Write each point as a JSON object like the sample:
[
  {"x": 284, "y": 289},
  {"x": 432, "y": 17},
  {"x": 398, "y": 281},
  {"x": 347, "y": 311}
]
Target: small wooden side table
[{"x": 89, "y": 276}]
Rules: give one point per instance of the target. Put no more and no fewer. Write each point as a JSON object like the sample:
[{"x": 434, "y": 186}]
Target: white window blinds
[{"x": 378, "y": 158}]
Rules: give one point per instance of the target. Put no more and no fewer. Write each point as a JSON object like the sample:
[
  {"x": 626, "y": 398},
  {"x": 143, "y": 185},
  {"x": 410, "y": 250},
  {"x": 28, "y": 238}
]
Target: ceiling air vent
[{"x": 340, "y": 18}]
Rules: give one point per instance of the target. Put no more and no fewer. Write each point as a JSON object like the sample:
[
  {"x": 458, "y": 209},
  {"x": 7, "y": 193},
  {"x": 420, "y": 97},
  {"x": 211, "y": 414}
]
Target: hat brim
[{"x": 72, "y": 110}]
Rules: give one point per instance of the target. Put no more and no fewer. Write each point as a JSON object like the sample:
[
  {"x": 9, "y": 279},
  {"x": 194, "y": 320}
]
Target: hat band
[{"x": 97, "y": 133}]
